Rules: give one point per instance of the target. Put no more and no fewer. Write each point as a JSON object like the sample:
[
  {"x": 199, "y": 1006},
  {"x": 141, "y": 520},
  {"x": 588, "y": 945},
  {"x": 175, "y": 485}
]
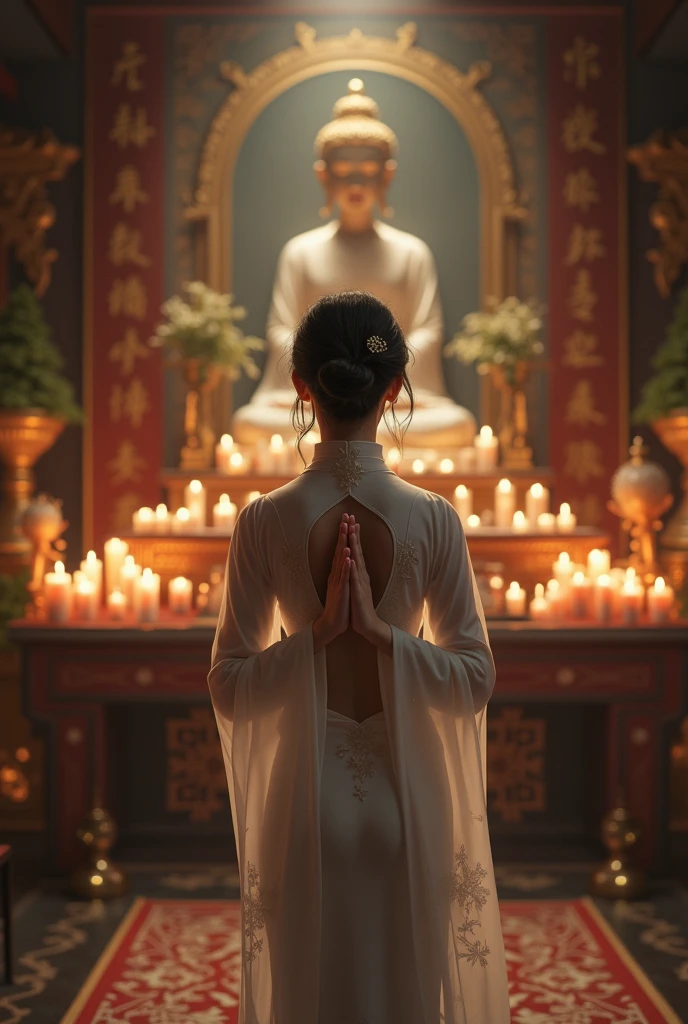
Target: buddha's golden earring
[{"x": 326, "y": 210}]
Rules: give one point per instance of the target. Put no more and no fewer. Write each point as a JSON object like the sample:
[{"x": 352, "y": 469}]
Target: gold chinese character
[
  {"x": 128, "y": 189},
  {"x": 128, "y": 350},
  {"x": 127, "y": 464},
  {"x": 580, "y": 63},
  {"x": 131, "y": 127},
  {"x": 578, "y": 129},
  {"x": 584, "y": 244},
  {"x": 580, "y": 189},
  {"x": 125, "y": 246},
  {"x": 128, "y": 297},
  {"x": 579, "y": 349},
  {"x": 582, "y": 299},
  {"x": 131, "y": 403},
  {"x": 583, "y": 460},
  {"x": 126, "y": 69},
  {"x": 581, "y": 406}
]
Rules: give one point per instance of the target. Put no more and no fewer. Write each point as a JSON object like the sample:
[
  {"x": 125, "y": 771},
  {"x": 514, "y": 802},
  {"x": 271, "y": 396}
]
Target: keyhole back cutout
[{"x": 377, "y": 543}]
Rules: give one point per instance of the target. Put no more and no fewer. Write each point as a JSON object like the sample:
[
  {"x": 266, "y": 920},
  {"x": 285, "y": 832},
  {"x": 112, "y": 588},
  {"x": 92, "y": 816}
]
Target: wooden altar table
[{"x": 74, "y": 675}]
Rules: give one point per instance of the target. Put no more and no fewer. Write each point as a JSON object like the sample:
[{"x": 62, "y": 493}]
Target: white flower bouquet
[
  {"x": 202, "y": 328},
  {"x": 505, "y": 336}
]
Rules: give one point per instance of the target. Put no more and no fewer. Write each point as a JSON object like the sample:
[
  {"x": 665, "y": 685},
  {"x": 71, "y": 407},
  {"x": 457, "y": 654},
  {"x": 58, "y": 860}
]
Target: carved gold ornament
[
  {"x": 400, "y": 57},
  {"x": 664, "y": 158},
  {"x": 27, "y": 162}
]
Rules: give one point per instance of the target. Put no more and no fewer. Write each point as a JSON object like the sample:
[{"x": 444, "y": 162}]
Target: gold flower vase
[
  {"x": 25, "y": 434},
  {"x": 512, "y": 429},
  {"x": 672, "y": 431},
  {"x": 199, "y": 445}
]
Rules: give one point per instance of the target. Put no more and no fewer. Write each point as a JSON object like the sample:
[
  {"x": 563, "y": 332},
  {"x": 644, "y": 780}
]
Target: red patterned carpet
[{"x": 178, "y": 962}]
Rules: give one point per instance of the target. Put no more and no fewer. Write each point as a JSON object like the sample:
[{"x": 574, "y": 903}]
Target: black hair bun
[{"x": 342, "y": 379}]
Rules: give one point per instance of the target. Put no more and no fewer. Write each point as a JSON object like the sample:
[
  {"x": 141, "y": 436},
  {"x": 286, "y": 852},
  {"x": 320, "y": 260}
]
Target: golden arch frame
[{"x": 212, "y": 209}]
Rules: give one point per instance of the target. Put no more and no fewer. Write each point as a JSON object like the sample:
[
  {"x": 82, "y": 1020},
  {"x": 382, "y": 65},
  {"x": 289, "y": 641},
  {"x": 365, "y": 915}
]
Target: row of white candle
[
  {"x": 189, "y": 517},
  {"x": 537, "y": 516},
  {"x": 596, "y": 592},
  {"x": 77, "y": 597}
]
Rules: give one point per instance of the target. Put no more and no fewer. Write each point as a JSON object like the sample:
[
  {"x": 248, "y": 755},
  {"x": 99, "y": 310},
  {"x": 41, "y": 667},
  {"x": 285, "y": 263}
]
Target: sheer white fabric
[{"x": 270, "y": 697}]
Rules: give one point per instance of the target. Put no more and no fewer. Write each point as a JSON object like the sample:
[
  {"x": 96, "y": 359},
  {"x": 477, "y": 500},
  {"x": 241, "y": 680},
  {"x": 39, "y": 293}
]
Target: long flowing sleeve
[
  {"x": 249, "y": 660},
  {"x": 454, "y": 655}
]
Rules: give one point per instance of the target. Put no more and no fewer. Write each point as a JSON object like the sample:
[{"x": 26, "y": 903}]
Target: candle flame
[
  {"x": 514, "y": 588},
  {"x": 486, "y": 433},
  {"x": 537, "y": 490},
  {"x": 660, "y": 585},
  {"x": 227, "y": 442},
  {"x": 504, "y": 485},
  {"x": 446, "y": 466},
  {"x": 418, "y": 466},
  {"x": 461, "y": 491},
  {"x": 59, "y": 568},
  {"x": 195, "y": 486},
  {"x": 604, "y": 580},
  {"x": 539, "y": 590}
]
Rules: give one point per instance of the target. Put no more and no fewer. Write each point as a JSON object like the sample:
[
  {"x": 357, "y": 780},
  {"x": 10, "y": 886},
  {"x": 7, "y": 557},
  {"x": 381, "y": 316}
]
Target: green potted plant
[
  {"x": 201, "y": 334},
  {"x": 664, "y": 405},
  {"x": 36, "y": 403}
]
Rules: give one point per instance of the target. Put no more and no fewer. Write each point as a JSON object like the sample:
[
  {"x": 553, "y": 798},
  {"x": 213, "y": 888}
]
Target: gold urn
[
  {"x": 199, "y": 444},
  {"x": 672, "y": 431},
  {"x": 25, "y": 434}
]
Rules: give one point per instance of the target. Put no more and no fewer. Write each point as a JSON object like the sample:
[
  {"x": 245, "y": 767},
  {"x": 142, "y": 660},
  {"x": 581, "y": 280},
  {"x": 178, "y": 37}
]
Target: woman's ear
[{"x": 301, "y": 387}]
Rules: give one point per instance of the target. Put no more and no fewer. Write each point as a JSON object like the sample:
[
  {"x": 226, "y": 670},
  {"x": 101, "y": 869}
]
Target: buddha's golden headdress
[{"x": 356, "y": 122}]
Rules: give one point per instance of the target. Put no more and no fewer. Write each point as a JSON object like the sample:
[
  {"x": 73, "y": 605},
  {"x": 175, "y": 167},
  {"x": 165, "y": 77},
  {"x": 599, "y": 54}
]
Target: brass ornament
[
  {"x": 99, "y": 878},
  {"x": 198, "y": 451},
  {"x": 641, "y": 493},
  {"x": 513, "y": 417},
  {"x": 617, "y": 878},
  {"x": 664, "y": 158},
  {"x": 27, "y": 162}
]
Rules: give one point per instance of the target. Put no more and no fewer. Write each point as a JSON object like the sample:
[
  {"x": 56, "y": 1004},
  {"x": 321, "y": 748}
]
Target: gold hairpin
[{"x": 376, "y": 344}]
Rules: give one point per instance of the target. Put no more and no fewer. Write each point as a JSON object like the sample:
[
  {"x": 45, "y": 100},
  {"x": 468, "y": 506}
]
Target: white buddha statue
[{"x": 357, "y": 252}]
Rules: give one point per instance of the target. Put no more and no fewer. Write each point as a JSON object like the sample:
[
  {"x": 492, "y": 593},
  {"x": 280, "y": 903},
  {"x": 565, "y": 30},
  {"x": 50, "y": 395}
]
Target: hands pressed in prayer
[
  {"x": 335, "y": 616},
  {"x": 364, "y": 618}
]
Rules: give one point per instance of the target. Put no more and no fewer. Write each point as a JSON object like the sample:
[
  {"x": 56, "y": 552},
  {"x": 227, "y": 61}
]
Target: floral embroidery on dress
[
  {"x": 468, "y": 891},
  {"x": 347, "y": 469},
  {"x": 362, "y": 745},
  {"x": 407, "y": 557},
  {"x": 254, "y": 913}
]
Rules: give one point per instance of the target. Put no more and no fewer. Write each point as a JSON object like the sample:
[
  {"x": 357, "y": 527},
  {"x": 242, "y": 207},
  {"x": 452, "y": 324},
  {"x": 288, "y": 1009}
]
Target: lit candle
[
  {"x": 115, "y": 552},
  {"x": 599, "y": 563},
  {"x": 563, "y": 569},
  {"x": 280, "y": 454},
  {"x": 631, "y": 601},
  {"x": 162, "y": 519},
  {"x": 515, "y": 599},
  {"x": 223, "y": 450},
  {"x": 546, "y": 522},
  {"x": 566, "y": 520},
  {"x": 194, "y": 500},
  {"x": 539, "y": 607},
  {"x": 519, "y": 523},
  {"x": 129, "y": 573},
  {"x": 252, "y": 495},
  {"x": 473, "y": 522},
  {"x": 147, "y": 596},
  {"x": 580, "y": 596},
  {"x": 505, "y": 503},
  {"x": 497, "y": 594},
  {"x": 224, "y": 514},
  {"x": 465, "y": 459},
  {"x": 463, "y": 502},
  {"x": 660, "y": 599},
  {"x": 180, "y": 522},
  {"x": 603, "y": 598},
  {"x": 85, "y": 603},
  {"x": 93, "y": 567},
  {"x": 556, "y": 598},
  {"x": 57, "y": 593},
  {"x": 486, "y": 448},
  {"x": 237, "y": 463},
  {"x": 446, "y": 466},
  {"x": 179, "y": 595},
  {"x": 116, "y": 605},
  {"x": 537, "y": 503},
  {"x": 418, "y": 466},
  {"x": 143, "y": 520}
]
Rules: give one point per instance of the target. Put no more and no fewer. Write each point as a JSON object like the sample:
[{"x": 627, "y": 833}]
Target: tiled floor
[{"x": 59, "y": 939}]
